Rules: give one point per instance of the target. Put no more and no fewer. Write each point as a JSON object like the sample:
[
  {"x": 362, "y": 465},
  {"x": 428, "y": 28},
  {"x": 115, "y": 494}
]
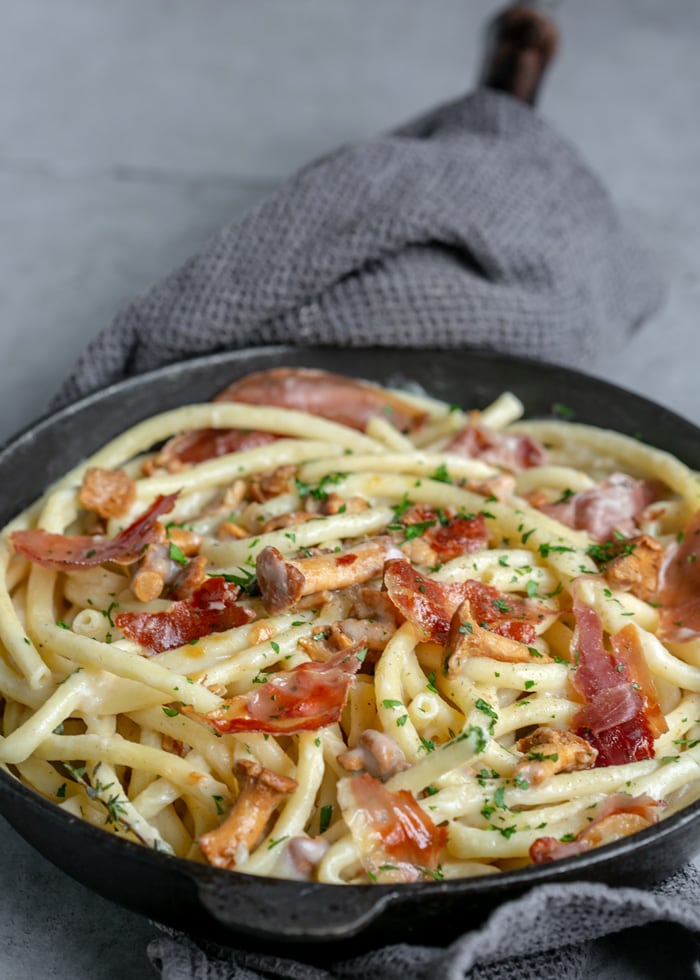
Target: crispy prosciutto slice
[
  {"x": 431, "y": 605},
  {"x": 394, "y": 836},
  {"x": 510, "y": 450},
  {"x": 303, "y": 699},
  {"x": 621, "y": 715},
  {"x": 612, "y": 507},
  {"x": 71, "y": 552},
  {"x": 339, "y": 399},
  {"x": 212, "y": 608},
  {"x": 618, "y": 817},
  {"x": 202, "y": 444},
  {"x": 448, "y": 534},
  {"x": 679, "y": 586}
]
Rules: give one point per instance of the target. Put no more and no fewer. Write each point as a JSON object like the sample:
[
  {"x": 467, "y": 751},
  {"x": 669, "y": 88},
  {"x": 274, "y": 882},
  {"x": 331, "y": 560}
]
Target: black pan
[{"x": 266, "y": 913}]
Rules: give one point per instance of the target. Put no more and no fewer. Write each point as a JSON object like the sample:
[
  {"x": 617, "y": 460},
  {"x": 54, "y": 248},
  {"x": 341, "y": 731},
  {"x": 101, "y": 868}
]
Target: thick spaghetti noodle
[{"x": 381, "y": 640}]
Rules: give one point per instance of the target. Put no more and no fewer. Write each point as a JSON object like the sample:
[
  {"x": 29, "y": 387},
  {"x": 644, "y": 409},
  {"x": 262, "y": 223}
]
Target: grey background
[{"x": 130, "y": 130}]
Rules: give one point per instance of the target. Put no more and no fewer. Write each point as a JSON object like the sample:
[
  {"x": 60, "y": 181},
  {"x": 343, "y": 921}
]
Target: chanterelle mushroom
[
  {"x": 157, "y": 568},
  {"x": 637, "y": 570},
  {"x": 108, "y": 493},
  {"x": 261, "y": 790},
  {"x": 549, "y": 751},
  {"x": 283, "y": 582},
  {"x": 468, "y": 639}
]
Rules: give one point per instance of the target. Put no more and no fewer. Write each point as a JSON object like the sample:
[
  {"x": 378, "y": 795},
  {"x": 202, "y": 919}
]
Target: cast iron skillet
[{"x": 273, "y": 914}]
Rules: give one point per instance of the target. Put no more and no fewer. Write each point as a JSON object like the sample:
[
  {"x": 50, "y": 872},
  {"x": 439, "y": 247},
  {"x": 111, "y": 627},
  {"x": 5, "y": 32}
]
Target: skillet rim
[{"x": 563, "y": 869}]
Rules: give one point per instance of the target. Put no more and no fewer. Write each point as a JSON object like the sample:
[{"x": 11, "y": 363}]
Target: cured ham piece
[
  {"x": 621, "y": 715},
  {"x": 202, "y": 444},
  {"x": 345, "y": 400},
  {"x": 395, "y": 837},
  {"x": 431, "y": 605},
  {"x": 678, "y": 592},
  {"x": 303, "y": 699},
  {"x": 66, "y": 552},
  {"x": 612, "y": 507},
  {"x": 513, "y": 451},
  {"x": 212, "y": 608},
  {"x": 618, "y": 817},
  {"x": 448, "y": 534},
  {"x": 629, "y": 653}
]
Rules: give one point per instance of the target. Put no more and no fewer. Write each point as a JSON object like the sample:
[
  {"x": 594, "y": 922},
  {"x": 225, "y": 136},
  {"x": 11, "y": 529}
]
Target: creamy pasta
[{"x": 321, "y": 630}]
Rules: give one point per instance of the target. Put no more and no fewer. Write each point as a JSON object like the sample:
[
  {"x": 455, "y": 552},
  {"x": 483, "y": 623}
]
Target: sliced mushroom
[
  {"x": 190, "y": 578},
  {"x": 287, "y": 520},
  {"x": 229, "y": 529},
  {"x": 371, "y": 622},
  {"x": 377, "y": 753},
  {"x": 335, "y": 504},
  {"x": 549, "y": 751},
  {"x": 501, "y": 486},
  {"x": 261, "y": 791},
  {"x": 157, "y": 568},
  {"x": 299, "y": 858},
  {"x": 266, "y": 485},
  {"x": 282, "y": 583}
]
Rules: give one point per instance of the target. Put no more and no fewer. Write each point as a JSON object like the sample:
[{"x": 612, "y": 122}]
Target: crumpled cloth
[
  {"x": 546, "y": 934},
  {"x": 476, "y": 226}
]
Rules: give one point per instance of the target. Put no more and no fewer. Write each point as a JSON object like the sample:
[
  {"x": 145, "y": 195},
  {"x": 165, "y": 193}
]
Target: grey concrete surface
[{"x": 130, "y": 131}]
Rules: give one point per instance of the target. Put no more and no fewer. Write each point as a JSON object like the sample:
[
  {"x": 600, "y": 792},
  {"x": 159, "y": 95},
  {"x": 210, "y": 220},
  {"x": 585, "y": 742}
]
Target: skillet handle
[
  {"x": 521, "y": 41},
  {"x": 291, "y": 910}
]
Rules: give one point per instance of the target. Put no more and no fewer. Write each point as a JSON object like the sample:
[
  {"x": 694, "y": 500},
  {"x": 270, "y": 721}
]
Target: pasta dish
[{"x": 322, "y": 630}]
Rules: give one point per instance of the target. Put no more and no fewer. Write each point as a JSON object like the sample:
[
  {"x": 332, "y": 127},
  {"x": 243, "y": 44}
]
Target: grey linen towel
[
  {"x": 474, "y": 226},
  {"x": 546, "y": 934}
]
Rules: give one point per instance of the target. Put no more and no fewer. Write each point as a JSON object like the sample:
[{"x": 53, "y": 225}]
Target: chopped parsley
[
  {"x": 540, "y": 757},
  {"x": 563, "y": 411},
  {"x": 486, "y": 708},
  {"x": 441, "y": 474},
  {"x": 176, "y": 554},
  {"x": 325, "y": 817},
  {"x": 545, "y": 549},
  {"x": 401, "y": 508},
  {"x": 245, "y": 580}
]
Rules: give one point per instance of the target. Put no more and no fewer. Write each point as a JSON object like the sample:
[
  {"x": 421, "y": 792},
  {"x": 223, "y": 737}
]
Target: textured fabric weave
[
  {"x": 545, "y": 935},
  {"x": 474, "y": 226}
]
